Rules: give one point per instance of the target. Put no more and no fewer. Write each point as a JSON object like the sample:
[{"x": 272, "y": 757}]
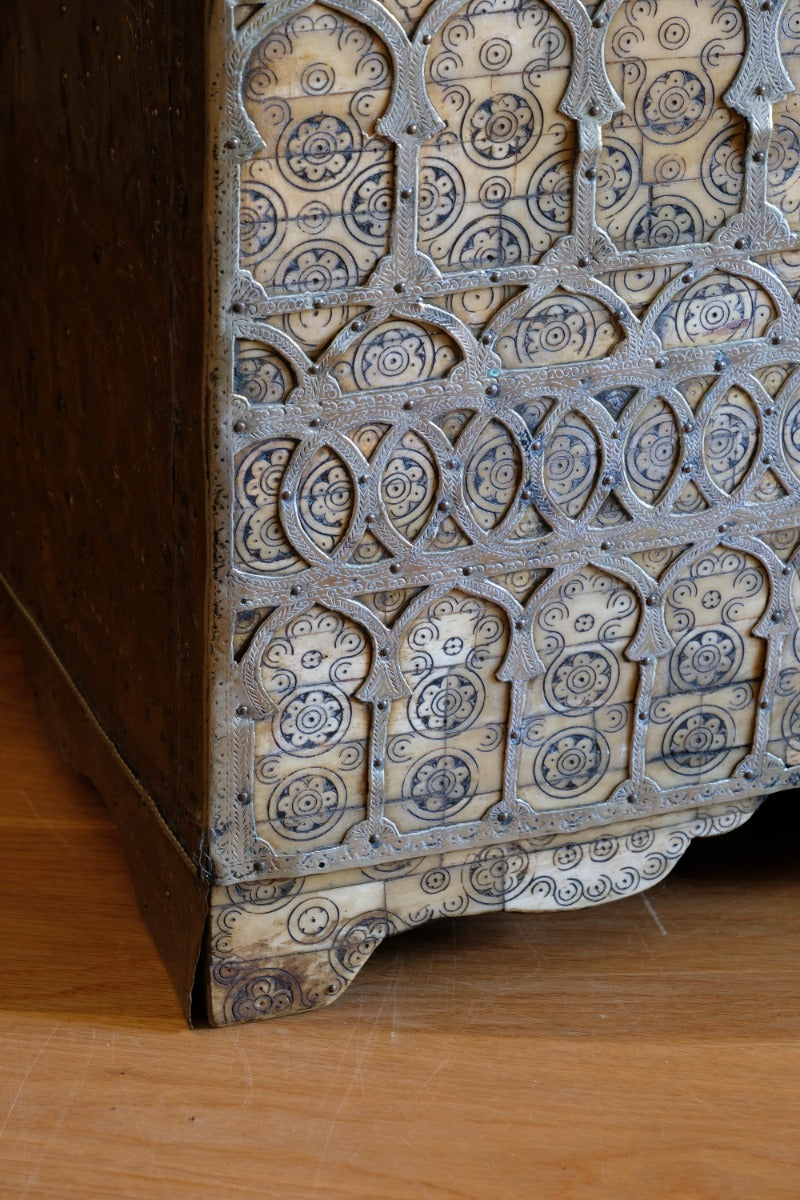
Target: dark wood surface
[
  {"x": 102, "y": 471},
  {"x": 647, "y": 1048}
]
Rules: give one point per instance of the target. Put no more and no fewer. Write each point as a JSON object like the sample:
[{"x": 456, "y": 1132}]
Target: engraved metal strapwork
[{"x": 510, "y": 432}]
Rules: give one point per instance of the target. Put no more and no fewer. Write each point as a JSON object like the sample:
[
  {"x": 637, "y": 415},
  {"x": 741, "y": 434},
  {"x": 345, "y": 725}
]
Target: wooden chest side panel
[{"x": 101, "y": 465}]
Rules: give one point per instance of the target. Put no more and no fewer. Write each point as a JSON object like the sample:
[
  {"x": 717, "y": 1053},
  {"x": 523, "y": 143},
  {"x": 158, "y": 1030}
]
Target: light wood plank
[{"x": 647, "y": 1048}]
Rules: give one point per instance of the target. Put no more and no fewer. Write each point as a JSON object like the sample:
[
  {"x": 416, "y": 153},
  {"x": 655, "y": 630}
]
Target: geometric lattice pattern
[{"x": 509, "y": 422}]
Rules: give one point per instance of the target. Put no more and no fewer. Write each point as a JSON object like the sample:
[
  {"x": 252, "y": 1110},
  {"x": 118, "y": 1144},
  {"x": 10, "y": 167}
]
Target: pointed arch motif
[
  {"x": 395, "y": 353},
  {"x": 578, "y": 716},
  {"x": 783, "y": 180},
  {"x": 719, "y": 307},
  {"x": 562, "y": 327},
  {"x": 672, "y": 166},
  {"x": 702, "y": 714},
  {"x": 445, "y": 756},
  {"x": 495, "y": 187},
  {"x": 316, "y": 197},
  {"x": 310, "y": 763}
]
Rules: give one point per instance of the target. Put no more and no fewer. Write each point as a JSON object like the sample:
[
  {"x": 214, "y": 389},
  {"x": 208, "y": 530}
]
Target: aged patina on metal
[
  {"x": 510, "y": 465},
  {"x": 504, "y": 461}
]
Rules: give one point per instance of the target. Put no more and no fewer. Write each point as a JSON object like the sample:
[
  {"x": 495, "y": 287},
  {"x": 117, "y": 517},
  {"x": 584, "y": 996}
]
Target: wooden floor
[{"x": 650, "y": 1048}]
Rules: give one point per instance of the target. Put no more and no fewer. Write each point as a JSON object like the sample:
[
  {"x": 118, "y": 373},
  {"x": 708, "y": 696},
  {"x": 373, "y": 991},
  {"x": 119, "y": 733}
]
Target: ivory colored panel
[{"x": 515, "y": 463}]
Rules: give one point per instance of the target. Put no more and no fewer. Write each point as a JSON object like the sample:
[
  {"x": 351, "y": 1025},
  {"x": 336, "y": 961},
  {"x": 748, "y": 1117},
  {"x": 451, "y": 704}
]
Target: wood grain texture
[
  {"x": 101, "y": 464},
  {"x": 646, "y": 1048}
]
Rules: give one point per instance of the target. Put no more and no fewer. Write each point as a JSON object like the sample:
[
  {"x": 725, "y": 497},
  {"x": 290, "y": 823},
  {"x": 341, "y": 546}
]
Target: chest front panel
[{"x": 507, "y": 422}]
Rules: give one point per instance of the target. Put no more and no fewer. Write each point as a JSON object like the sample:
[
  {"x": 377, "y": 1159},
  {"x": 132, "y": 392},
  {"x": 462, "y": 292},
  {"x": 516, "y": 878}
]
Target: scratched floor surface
[{"x": 649, "y": 1048}]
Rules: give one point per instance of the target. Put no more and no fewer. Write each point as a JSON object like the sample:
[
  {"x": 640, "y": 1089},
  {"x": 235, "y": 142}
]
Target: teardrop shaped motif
[
  {"x": 325, "y": 500},
  {"x": 791, "y": 436},
  {"x": 492, "y": 475},
  {"x": 731, "y": 439},
  {"x": 769, "y": 489},
  {"x": 408, "y": 486},
  {"x": 389, "y": 605},
  {"x": 452, "y": 424},
  {"x": 448, "y": 536},
  {"x": 610, "y": 515},
  {"x": 368, "y": 551},
  {"x": 571, "y": 464},
  {"x": 521, "y": 584},
  {"x": 782, "y": 541},
  {"x": 651, "y": 454},
  {"x": 368, "y": 437},
  {"x": 691, "y": 500}
]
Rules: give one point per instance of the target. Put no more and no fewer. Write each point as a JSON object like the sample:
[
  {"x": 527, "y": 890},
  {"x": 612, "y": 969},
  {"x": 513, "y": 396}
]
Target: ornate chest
[{"x": 489, "y": 596}]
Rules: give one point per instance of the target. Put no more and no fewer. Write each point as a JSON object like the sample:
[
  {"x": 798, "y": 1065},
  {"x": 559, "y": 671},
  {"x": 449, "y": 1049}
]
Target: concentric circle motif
[
  {"x": 790, "y": 725},
  {"x": 434, "y": 881},
  {"x": 357, "y": 942},
  {"x": 492, "y": 475},
  {"x": 784, "y": 157},
  {"x": 495, "y": 54},
  {"x": 668, "y": 221},
  {"x": 723, "y": 168},
  {"x": 441, "y": 195},
  {"x": 674, "y": 105},
  {"x": 326, "y": 500},
  {"x": 496, "y": 873},
  {"x": 571, "y": 462},
  {"x": 501, "y": 130},
  {"x": 408, "y": 486},
  {"x": 440, "y": 785},
  {"x": 322, "y": 266},
  {"x": 564, "y": 329},
  {"x": 308, "y": 804},
  {"x": 549, "y": 192},
  {"x": 264, "y": 994},
  {"x": 314, "y": 218},
  {"x": 260, "y": 375},
  {"x": 581, "y": 680},
  {"x": 652, "y": 451},
  {"x": 670, "y": 168},
  {"x": 791, "y": 436},
  {"x": 495, "y": 191},
  {"x": 368, "y": 206},
  {"x": 262, "y": 222},
  {"x": 312, "y": 719},
  {"x": 493, "y": 241},
  {"x": 617, "y": 176},
  {"x": 707, "y": 658},
  {"x": 719, "y": 308},
  {"x": 313, "y": 920},
  {"x": 674, "y": 33},
  {"x": 396, "y": 354},
  {"x": 260, "y": 540},
  {"x": 446, "y": 702},
  {"x": 317, "y": 79},
  {"x": 699, "y": 740},
  {"x": 319, "y": 151},
  {"x": 730, "y": 441},
  {"x": 570, "y": 763}
]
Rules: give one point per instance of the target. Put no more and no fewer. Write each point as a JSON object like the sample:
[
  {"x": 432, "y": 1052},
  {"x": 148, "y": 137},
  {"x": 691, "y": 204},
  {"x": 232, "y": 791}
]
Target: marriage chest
[{"x": 401, "y": 466}]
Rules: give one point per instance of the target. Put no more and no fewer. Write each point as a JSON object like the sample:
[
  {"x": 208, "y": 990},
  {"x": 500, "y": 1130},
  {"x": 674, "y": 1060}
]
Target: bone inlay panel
[{"x": 509, "y": 428}]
